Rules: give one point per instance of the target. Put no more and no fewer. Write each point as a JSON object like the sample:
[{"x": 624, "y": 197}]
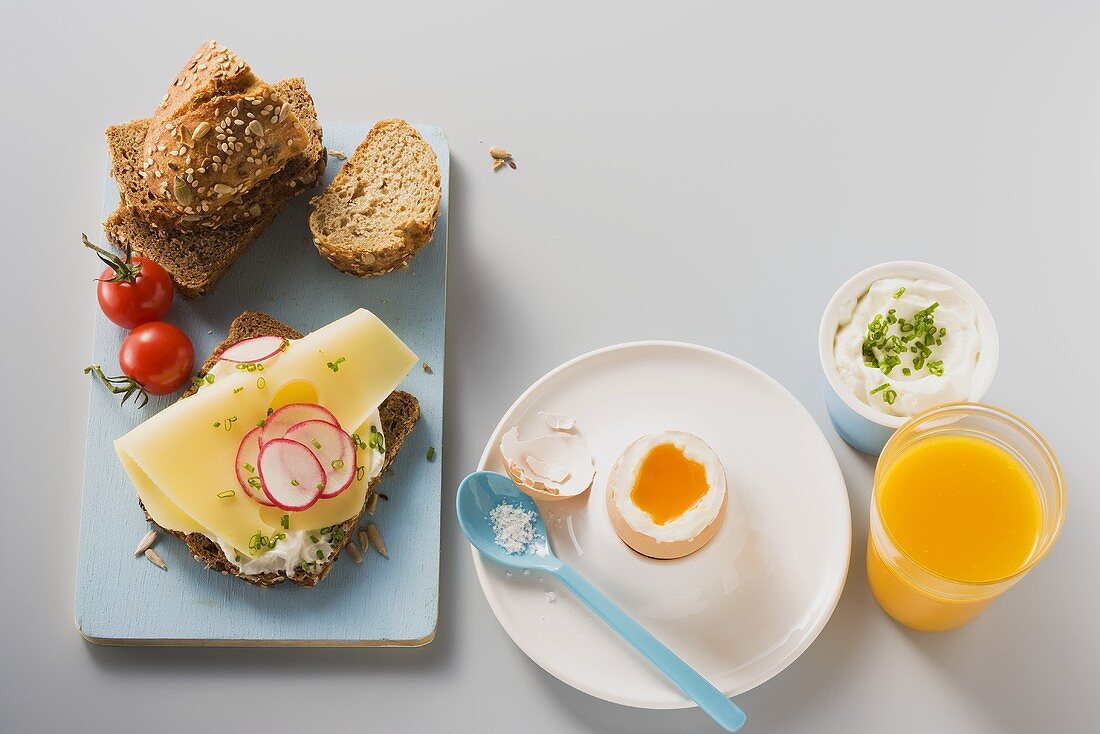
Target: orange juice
[{"x": 955, "y": 508}]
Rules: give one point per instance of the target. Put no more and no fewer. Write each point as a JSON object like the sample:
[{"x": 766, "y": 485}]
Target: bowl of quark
[{"x": 867, "y": 398}]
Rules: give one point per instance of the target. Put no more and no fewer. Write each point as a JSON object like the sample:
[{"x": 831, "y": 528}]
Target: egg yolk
[{"x": 668, "y": 483}]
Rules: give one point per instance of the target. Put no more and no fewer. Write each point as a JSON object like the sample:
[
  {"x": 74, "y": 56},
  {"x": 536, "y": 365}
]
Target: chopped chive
[
  {"x": 294, "y": 482},
  {"x": 226, "y": 494},
  {"x": 217, "y": 424},
  {"x": 240, "y": 366},
  {"x": 261, "y": 383},
  {"x": 359, "y": 472},
  {"x": 321, "y": 486},
  {"x": 209, "y": 379},
  {"x": 237, "y": 390},
  {"x": 314, "y": 538},
  {"x": 316, "y": 443},
  {"x": 320, "y": 554},
  {"x": 285, "y": 522},
  {"x": 249, "y": 468},
  {"x": 335, "y": 365},
  {"x": 430, "y": 456},
  {"x": 337, "y": 464},
  {"x": 255, "y": 483},
  {"x": 880, "y": 388},
  {"x": 260, "y": 367},
  {"x": 899, "y": 293}
]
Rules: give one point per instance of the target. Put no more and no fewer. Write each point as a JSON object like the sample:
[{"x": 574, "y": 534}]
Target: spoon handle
[{"x": 724, "y": 711}]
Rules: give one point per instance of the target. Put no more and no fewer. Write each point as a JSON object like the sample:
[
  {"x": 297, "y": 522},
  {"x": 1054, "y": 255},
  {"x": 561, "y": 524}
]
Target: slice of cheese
[{"x": 182, "y": 458}]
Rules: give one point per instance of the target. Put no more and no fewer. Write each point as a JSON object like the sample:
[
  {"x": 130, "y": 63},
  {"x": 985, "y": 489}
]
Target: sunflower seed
[
  {"x": 146, "y": 542},
  {"x": 364, "y": 541},
  {"x": 256, "y": 128},
  {"x": 221, "y": 188},
  {"x": 354, "y": 553},
  {"x": 155, "y": 558},
  {"x": 201, "y": 129},
  {"x": 376, "y": 541},
  {"x": 372, "y": 503}
]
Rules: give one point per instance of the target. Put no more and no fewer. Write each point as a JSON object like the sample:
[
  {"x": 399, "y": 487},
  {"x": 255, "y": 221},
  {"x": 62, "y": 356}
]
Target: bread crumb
[
  {"x": 550, "y": 596},
  {"x": 338, "y": 155},
  {"x": 427, "y": 368}
]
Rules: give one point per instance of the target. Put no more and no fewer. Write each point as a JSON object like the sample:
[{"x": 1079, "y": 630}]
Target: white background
[{"x": 700, "y": 172}]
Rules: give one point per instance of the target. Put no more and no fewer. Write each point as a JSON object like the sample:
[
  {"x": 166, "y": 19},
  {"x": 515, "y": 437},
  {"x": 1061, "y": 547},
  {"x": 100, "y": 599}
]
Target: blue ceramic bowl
[{"x": 860, "y": 425}]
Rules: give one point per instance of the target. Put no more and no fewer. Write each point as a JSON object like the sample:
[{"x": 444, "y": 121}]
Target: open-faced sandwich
[{"x": 265, "y": 467}]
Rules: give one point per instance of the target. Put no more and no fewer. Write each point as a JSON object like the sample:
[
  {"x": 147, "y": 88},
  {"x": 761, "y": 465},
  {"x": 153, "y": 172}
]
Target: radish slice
[
  {"x": 247, "y": 466},
  {"x": 291, "y": 475},
  {"x": 256, "y": 349},
  {"x": 333, "y": 448},
  {"x": 279, "y": 422}
]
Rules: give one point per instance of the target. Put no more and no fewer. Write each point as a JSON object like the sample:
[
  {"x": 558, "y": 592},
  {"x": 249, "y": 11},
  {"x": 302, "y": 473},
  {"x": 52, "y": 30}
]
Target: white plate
[{"x": 739, "y": 610}]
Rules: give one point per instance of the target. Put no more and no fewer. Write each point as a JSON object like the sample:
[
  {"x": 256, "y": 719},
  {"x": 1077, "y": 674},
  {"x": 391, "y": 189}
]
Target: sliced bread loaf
[
  {"x": 399, "y": 413},
  {"x": 197, "y": 259},
  {"x": 381, "y": 207}
]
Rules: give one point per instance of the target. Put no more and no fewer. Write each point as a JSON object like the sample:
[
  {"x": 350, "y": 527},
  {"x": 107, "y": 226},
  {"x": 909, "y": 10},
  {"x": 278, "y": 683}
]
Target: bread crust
[
  {"x": 399, "y": 413},
  {"x": 218, "y": 132}
]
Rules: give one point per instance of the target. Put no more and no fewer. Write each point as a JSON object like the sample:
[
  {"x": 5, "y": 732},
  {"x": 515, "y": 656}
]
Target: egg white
[{"x": 694, "y": 520}]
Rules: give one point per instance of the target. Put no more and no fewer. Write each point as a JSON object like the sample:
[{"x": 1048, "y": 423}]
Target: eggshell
[
  {"x": 663, "y": 550},
  {"x": 550, "y": 467}
]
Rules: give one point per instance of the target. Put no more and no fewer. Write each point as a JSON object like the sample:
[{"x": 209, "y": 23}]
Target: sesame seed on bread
[
  {"x": 382, "y": 206},
  {"x": 399, "y": 414},
  {"x": 217, "y": 133},
  {"x": 197, "y": 259}
]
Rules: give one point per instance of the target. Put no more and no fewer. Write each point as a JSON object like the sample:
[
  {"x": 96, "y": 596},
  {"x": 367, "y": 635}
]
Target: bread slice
[
  {"x": 381, "y": 207},
  {"x": 196, "y": 260},
  {"x": 399, "y": 413}
]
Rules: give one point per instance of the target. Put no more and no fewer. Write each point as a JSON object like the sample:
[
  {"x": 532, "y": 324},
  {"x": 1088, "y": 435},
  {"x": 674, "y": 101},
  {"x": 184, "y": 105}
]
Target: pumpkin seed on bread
[{"x": 382, "y": 206}]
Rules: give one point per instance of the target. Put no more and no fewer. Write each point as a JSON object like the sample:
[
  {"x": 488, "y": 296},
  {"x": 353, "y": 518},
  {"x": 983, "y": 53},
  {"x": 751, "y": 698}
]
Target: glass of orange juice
[{"x": 967, "y": 499}]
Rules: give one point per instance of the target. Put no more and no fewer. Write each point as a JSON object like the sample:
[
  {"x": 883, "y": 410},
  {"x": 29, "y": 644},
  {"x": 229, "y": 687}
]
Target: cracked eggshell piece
[
  {"x": 558, "y": 422},
  {"x": 551, "y": 467}
]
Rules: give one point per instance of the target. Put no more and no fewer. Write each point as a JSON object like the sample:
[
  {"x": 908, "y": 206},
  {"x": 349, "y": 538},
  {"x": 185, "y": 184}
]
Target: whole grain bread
[
  {"x": 217, "y": 133},
  {"x": 382, "y": 206},
  {"x": 197, "y": 259},
  {"x": 399, "y": 413}
]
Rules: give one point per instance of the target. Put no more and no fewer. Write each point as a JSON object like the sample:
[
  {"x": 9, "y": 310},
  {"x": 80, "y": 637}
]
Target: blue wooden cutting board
[{"x": 121, "y": 599}]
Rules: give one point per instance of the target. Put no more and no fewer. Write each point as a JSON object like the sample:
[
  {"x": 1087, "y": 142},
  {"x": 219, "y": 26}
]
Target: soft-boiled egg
[{"x": 667, "y": 494}]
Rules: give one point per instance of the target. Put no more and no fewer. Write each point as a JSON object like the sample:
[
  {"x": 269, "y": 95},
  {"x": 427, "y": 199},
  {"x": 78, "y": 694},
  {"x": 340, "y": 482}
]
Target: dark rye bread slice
[
  {"x": 399, "y": 413},
  {"x": 197, "y": 259}
]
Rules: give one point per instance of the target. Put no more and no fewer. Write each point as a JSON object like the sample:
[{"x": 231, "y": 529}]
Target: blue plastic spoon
[{"x": 480, "y": 492}]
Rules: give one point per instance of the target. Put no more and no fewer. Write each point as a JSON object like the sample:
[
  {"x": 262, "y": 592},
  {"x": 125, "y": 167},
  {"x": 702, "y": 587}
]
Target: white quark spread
[
  {"x": 298, "y": 545},
  {"x": 287, "y": 555},
  {"x": 914, "y": 381}
]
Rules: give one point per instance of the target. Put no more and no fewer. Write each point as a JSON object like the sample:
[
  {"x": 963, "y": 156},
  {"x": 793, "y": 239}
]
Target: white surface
[
  {"x": 703, "y": 172},
  {"x": 738, "y": 610}
]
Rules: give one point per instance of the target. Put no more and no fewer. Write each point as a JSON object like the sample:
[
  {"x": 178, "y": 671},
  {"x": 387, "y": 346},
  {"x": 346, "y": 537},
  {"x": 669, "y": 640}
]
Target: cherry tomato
[
  {"x": 132, "y": 291},
  {"x": 132, "y": 303},
  {"x": 157, "y": 355}
]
